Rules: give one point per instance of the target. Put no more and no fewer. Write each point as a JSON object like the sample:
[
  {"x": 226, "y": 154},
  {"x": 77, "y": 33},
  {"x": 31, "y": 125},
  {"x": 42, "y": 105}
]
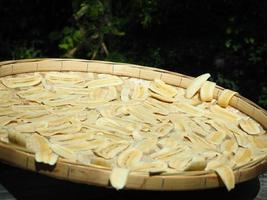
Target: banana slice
[
  {"x": 118, "y": 177},
  {"x": 216, "y": 137},
  {"x": 250, "y": 126},
  {"x": 195, "y": 85},
  {"x": 23, "y": 81},
  {"x": 242, "y": 156},
  {"x": 162, "y": 98},
  {"x": 140, "y": 92},
  {"x": 188, "y": 109},
  {"x": 206, "y": 91},
  {"x": 85, "y": 157},
  {"x": 104, "y": 82},
  {"x": 179, "y": 164},
  {"x": 225, "y": 97},
  {"x": 229, "y": 145},
  {"x": 17, "y": 138},
  {"x": 63, "y": 78},
  {"x": 125, "y": 93},
  {"x": 63, "y": 152},
  {"x": 43, "y": 152},
  {"x": 147, "y": 145},
  {"x": 197, "y": 163},
  {"x": 162, "y": 89},
  {"x": 227, "y": 175},
  {"x": 151, "y": 167},
  {"x": 165, "y": 154},
  {"x": 101, "y": 162},
  {"x": 260, "y": 142},
  {"x": 162, "y": 129},
  {"x": 224, "y": 113},
  {"x": 129, "y": 158},
  {"x": 111, "y": 150}
]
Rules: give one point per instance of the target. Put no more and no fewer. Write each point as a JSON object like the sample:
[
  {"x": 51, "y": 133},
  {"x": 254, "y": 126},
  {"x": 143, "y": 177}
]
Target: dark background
[{"x": 226, "y": 38}]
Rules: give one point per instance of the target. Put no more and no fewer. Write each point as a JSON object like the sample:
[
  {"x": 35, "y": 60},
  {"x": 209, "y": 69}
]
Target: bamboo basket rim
[{"x": 74, "y": 172}]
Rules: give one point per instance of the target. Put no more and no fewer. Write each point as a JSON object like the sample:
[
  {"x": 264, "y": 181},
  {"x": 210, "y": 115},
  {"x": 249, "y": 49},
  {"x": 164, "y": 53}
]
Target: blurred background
[{"x": 226, "y": 38}]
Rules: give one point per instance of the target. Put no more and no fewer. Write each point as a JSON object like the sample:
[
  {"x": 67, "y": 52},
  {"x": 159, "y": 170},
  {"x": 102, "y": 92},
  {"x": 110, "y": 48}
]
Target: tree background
[{"x": 226, "y": 38}]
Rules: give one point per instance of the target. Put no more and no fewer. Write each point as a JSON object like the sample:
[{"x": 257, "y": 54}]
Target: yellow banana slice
[
  {"x": 118, "y": 177},
  {"x": 147, "y": 145},
  {"x": 129, "y": 158},
  {"x": 63, "y": 152},
  {"x": 229, "y": 145},
  {"x": 17, "y": 138},
  {"x": 23, "y": 81},
  {"x": 43, "y": 152},
  {"x": 224, "y": 113},
  {"x": 206, "y": 91},
  {"x": 188, "y": 109},
  {"x": 84, "y": 157},
  {"x": 225, "y": 97},
  {"x": 111, "y": 150},
  {"x": 197, "y": 163},
  {"x": 195, "y": 85},
  {"x": 104, "y": 82},
  {"x": 140, "y": 92},
  {"x": 162, "y": 98},
  {"x": 242, "y": 156},
  {"x": 157, "y": 166},
  {"x": 162, "y": 129},
  {"x": 227, "y": 176},
  {"x": 216, "y": 137},
  {"x": 63, "y": 78},
  {"x": 162, "y": 89},
  {"x": 250, "y": 126}
]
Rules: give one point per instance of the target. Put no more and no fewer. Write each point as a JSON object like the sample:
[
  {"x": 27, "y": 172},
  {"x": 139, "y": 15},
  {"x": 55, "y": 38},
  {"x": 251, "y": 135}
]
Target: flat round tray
[{"x": 99, "y": 176}]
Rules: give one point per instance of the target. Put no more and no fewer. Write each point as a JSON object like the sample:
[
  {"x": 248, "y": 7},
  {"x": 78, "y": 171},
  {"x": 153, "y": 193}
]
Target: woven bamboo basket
[{"x": 99, "y": 176}]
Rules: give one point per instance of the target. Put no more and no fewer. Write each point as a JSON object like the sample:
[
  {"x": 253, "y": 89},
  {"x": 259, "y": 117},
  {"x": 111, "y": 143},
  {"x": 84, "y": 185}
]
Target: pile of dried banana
[{"x": 128, "y": 125}]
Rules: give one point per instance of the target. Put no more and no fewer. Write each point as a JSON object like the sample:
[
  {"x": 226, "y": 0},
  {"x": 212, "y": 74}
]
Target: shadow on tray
[{"x": 27, "y": 185}]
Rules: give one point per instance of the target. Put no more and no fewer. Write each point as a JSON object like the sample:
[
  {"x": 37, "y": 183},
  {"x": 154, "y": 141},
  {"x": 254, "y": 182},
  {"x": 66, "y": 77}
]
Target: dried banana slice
[
  {"x": 165, "y": 154},
  {"x": 242, "y": 156},
  {"x": 225, "y": 97},
  {"x": 104, "y": 82},
  {"x": 195, "y": 85},
  {"x": 63, "y": 78},
  {"x": 162, "y": 129},
  {"x": 85, "y": 157},
  {"x": 43, "y": 152},
  {"x": 140, "y": 92},
  {"x": 101, "y": 162},
  {"x": 118, "y": 177},
  {"x": 224, "y": 114},
  {"x": 157, "y": 166},
  {"x": 206, "y": 91},
  {"x": 250, "y": 126},
  {"x": 161, "y": 88},
  {"x": 143, "y": 114},
  {"x": 17, "y": 138},
  {"x": 216, "y": 137},
  {"x": 147, "y": 145},
  {"x": 129, "y": 158},
  {"x": 63, "y": 152},
  {"x": 188, "y": 109},
  {"x": 111, "y": 150},
  {"x": 229, "y": 145},
  {"x": 180, "y": 163},
  {"x": 260, "y": 142},
  {"x": 162, "y": 98},
  {"x": 22, "y": 81},
  {"x": 227, "y": 175},
  {"x": 197, "y": 163}
]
